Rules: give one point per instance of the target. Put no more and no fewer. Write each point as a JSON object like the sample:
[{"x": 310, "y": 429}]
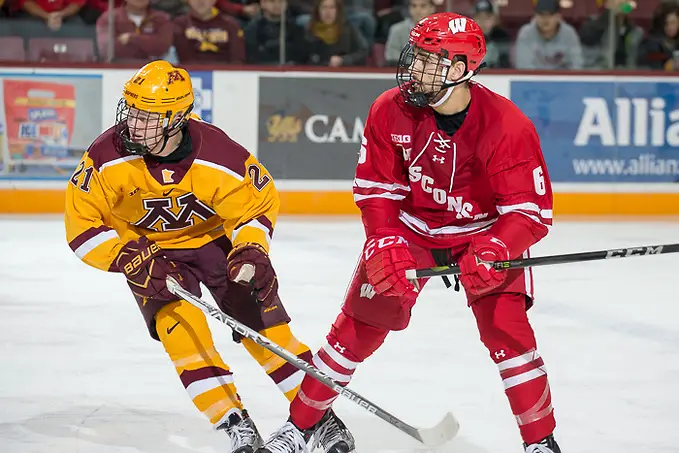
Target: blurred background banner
[
  {"x": 202, "y": 87},
  {"x": 47, "y": 122},
  {"x": 310, "y": 128},
  {"x": 605, "y": 131}
]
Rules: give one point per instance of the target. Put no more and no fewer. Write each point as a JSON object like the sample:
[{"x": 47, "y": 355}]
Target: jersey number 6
[
  {"x": 539, "y": 179},
  {"x": 259, "y": 180}
]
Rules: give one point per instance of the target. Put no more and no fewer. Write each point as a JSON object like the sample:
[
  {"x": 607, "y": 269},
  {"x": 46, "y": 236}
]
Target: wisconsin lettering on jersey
[
  {"x": 457, "y": 204},
  {"x": 160, "y": 217}
]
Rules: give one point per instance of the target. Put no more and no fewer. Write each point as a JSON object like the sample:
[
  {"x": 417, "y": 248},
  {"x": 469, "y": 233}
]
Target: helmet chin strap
[{"x": 450, "y": 87}]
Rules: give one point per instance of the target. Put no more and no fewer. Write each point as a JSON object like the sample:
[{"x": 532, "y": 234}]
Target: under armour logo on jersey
[
  {"x": 367, "y": 291},
  {"x": 439, "y": 159},
  {"x": 442, "y": 144},
  {"x": 339, "y": 347},
  {"x": 500, "y": 354},
  {"x": 458, "y": 25}
]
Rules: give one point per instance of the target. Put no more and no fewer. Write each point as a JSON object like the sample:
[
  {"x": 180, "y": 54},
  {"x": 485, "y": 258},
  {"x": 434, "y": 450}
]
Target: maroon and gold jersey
[{"x": 219, "y": 189}]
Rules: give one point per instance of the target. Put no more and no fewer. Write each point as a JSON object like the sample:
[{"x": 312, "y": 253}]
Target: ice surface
[{"x": 79, "y": 374}]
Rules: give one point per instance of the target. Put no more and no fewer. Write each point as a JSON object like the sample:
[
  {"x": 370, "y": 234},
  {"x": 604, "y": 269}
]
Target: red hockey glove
[
  {"x": 146, "y": 267},
  {"x": 477, "y": 277},
  {"x": 386, "y": 260},
  {"x": 249, "y": 264}
]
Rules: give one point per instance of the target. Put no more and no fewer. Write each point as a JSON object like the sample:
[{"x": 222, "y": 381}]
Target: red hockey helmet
[{"x": 435, "y": 43}]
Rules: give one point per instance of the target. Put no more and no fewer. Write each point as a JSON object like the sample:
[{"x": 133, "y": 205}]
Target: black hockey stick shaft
[
  {"x": 645, "y": 250},
  {"x": 444, "y": 431}
]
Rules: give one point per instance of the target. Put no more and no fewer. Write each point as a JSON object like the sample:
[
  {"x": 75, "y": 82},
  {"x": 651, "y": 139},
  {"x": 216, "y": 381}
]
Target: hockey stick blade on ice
[
  {"x": 431, "y": 437},
  {"x": 645, "y": 250}
]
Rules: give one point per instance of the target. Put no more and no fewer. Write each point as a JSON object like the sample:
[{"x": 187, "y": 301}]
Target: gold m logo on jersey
[
  {"x": 283, "y": 128},
  {"x": 160, "y": 215}
]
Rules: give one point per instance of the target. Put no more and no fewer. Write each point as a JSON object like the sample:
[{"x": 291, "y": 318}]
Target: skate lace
[
  {"x": 288, "y": 439},
  {"x": 538, "y": 448},
  {"x": 327, "y": 434},
  {"x": 242, "y": 434}
]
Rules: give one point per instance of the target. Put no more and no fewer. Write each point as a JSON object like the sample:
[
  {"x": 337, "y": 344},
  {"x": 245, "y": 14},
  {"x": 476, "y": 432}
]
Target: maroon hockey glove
[
  {"x": 476, "y": 276},
  {"x": 386, "y": 260},
  {"x": 146, "y": 267},
  {"x": 249, "y": 264}
]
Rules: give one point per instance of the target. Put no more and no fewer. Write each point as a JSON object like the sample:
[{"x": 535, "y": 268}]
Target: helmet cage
[
  {"x": 421, "y": 86},
  {"x": 156, "y": 131}
]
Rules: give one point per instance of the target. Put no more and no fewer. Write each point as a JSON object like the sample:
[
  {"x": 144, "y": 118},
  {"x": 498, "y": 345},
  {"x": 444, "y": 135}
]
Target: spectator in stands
[
  {"x": 596, "y": 38},
  {"x": 330, "y": 40},
  {"x": 244, "y": 11},
  {"x": 173, "y": 8},
  {"x": 498, "y": 42},
  {"x": 263, "y": 35},
  {"x": 661, "y": 49},
  {"x": 399, "y": 33},
  {"x": 547, "y": 42},
  {"x": 141, "y": 33},
  {"x": 206, "y": 35},
  {"x": 359, "y": 12},
  {"x": 388, "y": 14},
  {"x": 95, "y": 8},
  {"x": 53, "y": 12}
]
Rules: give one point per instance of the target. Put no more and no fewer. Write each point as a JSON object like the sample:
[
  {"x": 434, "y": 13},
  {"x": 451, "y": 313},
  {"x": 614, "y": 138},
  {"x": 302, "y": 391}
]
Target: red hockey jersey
[{"x": 438, "y": 189}]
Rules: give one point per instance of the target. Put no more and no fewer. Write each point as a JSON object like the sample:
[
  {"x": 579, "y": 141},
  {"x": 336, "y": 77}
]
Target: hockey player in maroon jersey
[{"x": 448, "y": 172}]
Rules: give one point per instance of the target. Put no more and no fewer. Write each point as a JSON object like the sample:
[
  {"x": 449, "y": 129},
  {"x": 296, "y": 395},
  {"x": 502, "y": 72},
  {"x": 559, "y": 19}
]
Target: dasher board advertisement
[
  {"x": 47, "y": 122},
  {"x": 310, "y": 128},
  {"x": 605, "y": 131}
]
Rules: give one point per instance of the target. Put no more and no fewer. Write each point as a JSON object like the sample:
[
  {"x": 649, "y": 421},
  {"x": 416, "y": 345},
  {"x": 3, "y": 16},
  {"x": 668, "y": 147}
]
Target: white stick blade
[{"x": 441, "y": 433}]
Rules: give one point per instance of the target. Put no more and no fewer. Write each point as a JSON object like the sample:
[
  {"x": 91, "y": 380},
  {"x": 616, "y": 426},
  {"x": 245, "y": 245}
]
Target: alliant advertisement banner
[
  {"x": 311, "y": 128},
  {"x": 47, "y": 122},
  {"x": 605, "y": 131}
]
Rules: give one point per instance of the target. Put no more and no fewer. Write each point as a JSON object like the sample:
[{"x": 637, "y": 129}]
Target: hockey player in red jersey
[{"x": 448, "y": 172}]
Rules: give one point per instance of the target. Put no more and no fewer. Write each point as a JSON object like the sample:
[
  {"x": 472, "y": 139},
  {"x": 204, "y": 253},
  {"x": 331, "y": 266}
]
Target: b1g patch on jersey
[{"x": 400, "y": 139}]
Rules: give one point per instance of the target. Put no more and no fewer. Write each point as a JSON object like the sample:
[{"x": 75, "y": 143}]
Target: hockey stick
[
  {"x": 431, "y": 437},
  {"x": 553, "y": 259}
]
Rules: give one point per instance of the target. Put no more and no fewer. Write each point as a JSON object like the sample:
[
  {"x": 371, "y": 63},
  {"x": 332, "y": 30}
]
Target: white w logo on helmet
[{"x": 458, "y": 25}]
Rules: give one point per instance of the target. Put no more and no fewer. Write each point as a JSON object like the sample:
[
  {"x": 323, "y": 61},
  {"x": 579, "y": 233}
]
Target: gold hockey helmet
[{"x": 156, "y": 104}]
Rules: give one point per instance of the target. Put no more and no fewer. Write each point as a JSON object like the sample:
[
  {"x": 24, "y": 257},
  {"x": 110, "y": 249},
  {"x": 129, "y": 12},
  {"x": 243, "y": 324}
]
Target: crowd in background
[{"x": 332, "y": 33}]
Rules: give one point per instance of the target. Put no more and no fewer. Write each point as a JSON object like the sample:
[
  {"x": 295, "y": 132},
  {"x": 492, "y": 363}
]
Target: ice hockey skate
[
  {"x": 288, "y": 439},
  {"x": 546, "y": 445},
  {"x": 332, "y": 435},
  {"x": 243, "y": 433}
]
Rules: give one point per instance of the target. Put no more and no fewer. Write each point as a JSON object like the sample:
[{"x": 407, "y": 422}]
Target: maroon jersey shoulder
[
  {"x": 216, "y": 147},
  {"x": 103, "y": 150}
]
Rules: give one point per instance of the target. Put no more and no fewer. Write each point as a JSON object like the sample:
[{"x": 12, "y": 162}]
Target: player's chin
[{"x": 436, "y": 96}]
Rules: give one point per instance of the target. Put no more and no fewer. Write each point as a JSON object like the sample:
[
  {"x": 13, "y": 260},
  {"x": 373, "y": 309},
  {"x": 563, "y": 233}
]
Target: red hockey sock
[
  {"x": 506, "y": 332},
  {"x": 349, "y": 343}
]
